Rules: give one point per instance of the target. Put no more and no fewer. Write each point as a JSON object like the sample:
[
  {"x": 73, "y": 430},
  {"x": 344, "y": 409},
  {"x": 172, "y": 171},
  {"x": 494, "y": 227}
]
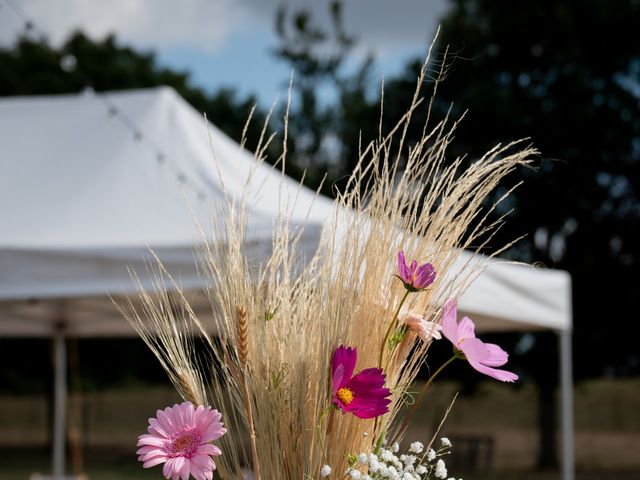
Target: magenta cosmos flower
[
  {"x": 363, "y": 394},
  {"x": 415, "y": 277},
  {"x": 179, "y": 437},
  {"x": 481, "y": 356}
]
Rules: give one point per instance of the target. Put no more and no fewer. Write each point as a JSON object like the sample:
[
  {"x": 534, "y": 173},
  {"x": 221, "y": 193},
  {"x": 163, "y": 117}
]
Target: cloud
[
  {"x": 381, "y": 26},
  {"x": 203, "y": 24}
]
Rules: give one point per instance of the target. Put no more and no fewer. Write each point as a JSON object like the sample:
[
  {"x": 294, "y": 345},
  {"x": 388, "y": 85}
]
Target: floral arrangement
[{"x": 312, "y": 362}]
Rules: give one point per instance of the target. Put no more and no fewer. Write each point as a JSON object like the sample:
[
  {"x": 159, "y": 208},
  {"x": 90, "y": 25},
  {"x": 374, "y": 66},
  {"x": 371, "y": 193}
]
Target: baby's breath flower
[
  {"x": 416, "y": 447},
  {"x": 395, "y": 447},
  {"x": 409, "y": 459},
  {"x": 325, "y": 471},
  {"x": 431, "y": 455},
  {"x": 421, "y": 469},
  {"x": 445, "y": 442},
  {"x": 387, "y": 456},
  {"x": 355, "y": 474},
  {"x": 441, "y": 469},
  {"x": 392, "y": 471}
]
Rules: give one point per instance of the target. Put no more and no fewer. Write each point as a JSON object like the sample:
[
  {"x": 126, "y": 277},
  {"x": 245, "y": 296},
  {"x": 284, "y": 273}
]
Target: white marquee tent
[{"x": 89, "y": 182}]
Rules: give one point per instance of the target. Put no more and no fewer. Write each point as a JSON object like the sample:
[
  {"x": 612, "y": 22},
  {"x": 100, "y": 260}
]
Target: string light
[{"x": 69, "y": 64}]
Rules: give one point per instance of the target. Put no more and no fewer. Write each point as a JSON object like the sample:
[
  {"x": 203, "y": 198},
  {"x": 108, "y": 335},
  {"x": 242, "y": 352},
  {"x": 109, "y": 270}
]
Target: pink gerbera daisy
[
  {"x": 363, "y": 394},
  {"x": 179, "y": 437}
]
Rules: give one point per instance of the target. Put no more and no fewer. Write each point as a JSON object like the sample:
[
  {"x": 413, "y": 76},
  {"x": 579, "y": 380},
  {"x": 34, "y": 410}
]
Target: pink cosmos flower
[
  {"x": 415, "y": 277},
  {"x": 425, "y": 330},
  {"x": 179, "y": 437},
  {"x": 481, "y": 356},
  {"x": 363, "y": 394}
]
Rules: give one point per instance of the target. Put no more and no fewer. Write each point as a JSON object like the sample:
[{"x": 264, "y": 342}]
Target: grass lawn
[{"x": 607, "y": 430}]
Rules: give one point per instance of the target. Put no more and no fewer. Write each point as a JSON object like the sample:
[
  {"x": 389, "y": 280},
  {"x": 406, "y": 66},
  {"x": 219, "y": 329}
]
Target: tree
[
  {"x": 330, "y": 99},
  {"x": 566, "y": 75}
]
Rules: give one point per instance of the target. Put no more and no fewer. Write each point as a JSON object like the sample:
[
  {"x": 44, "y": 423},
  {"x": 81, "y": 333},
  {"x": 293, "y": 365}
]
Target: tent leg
[
  {"x": 566, "y": 404},
  {"x": 59, "y": 405}
]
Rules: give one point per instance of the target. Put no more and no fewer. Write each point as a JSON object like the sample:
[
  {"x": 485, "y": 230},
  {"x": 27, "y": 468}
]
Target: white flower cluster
[{"x": 413, "y": 465}]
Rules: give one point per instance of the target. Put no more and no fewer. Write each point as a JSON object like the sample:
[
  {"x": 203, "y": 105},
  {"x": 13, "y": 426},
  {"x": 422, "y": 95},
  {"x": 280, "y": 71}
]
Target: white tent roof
[{"x": 84, "y": 198}]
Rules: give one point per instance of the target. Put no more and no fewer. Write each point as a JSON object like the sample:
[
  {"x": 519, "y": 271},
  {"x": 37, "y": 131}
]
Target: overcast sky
[{"x": 228, "y": 42}]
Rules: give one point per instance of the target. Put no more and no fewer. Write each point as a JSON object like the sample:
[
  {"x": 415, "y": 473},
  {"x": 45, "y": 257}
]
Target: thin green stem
[
  {"x": 391, "y": 327},
  {"x": 407, "y": 418}
]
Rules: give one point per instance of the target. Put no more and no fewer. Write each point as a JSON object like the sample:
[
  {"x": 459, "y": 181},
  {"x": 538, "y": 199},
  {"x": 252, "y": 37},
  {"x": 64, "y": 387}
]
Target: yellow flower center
[{"x": 345, "y": 395}]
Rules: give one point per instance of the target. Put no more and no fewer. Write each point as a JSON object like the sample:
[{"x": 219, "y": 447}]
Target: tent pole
[
  {"x": 59, "y": 403},
  {"x": 566, "y": 404}
]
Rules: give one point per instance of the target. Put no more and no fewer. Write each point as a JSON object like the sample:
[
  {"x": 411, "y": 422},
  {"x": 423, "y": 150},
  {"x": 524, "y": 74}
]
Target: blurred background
[{"x": 564, "y": 74}]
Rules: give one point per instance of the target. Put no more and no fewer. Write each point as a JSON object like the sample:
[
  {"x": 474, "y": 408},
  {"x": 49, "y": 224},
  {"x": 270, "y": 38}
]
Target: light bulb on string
[{"x": 68, "y": 63}]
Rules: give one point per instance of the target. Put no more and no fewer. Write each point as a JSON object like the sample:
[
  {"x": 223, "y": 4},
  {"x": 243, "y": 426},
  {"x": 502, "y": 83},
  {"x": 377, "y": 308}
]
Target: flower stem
[
  {"x": 407, "y": 418},
  {"x": 391, "y": 327},
  {"x": 252, "y": 432}
]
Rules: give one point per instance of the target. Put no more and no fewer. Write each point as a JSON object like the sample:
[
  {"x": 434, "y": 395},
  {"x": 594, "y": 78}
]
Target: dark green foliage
[
  {"x": 564, "y": 74},
  {"x": 567, "y": 75}
]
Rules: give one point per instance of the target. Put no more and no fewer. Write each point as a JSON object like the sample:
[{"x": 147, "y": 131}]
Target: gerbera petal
[
  {"x": 152, "y": 462},
  {"x": 214, "y": 434},
  {"x": 204, "y": 464},
  {"x": 215, "y": 431},
  {"x": 342, "y": 366},
  {"x": 208, "y": 419},
  {"x": 189, "y": 414},
  {"x": 167, "y": 469},
  {"x": 185, "y": 469},
  {"x": 149, "y": 449},
  {"x": 156, "y": 428},
  {"x": 448, "y": 321},
  {"x": 147, "y": 439},
  {"x": 208, "y": 449},
  {"x": 165, "y": 419}
]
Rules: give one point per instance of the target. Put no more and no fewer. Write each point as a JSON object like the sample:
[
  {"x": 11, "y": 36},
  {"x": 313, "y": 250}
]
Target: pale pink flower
[
  {"x": 424, "y": 329},
  {"x": 179, "y": 437},
  {"x": 481, "y": 356}
]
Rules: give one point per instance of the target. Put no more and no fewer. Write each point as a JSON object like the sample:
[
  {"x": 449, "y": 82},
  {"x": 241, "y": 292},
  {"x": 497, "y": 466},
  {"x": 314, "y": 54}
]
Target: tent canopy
[
  {"x": 83, "y": 197},
  {"x": 87, "y": 187}
]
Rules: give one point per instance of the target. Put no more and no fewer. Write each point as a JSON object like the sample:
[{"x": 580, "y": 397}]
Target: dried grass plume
[{"x": 263, "y": 356}]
